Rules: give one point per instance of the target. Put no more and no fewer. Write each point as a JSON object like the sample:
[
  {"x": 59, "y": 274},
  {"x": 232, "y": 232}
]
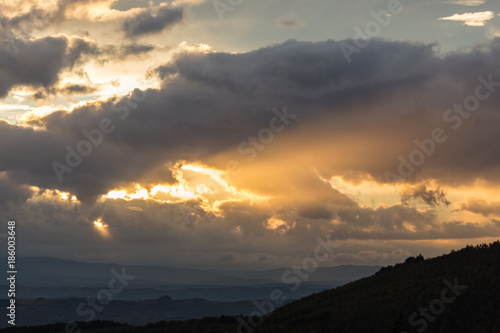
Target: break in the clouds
[{"x": 477, "y": 19}]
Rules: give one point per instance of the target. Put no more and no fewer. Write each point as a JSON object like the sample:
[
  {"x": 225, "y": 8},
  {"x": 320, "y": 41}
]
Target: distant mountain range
[
  {"x": 455, "y": 293},
  {"x": 53, "y": 272}
]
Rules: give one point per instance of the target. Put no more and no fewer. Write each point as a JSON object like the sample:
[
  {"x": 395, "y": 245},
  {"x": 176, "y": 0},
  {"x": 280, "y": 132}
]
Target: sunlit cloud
[
  {"x": 478, "y": 19},
  {"x": 52, "y": 196},
  {"x": 101, "y": 227},
  {"x": 208, "y": 186},
  {"x": 277, "y": 225}
]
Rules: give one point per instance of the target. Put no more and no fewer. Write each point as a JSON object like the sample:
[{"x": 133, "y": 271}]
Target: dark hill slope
[{"x": 386, "y": 301}]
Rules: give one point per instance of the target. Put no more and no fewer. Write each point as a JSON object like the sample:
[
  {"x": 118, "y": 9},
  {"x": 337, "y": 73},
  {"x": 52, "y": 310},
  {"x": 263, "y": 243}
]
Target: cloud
[
  {"x": 240, "y": 235},
  {"x": 233, "y": 95},
  {"x": 152, "y": 20},
  {"x": 134, "y": 50},
  {"x": 289, "y": 21},
  {"x": 66, "y": 90},
  {"x": 135, "y": 21},
  {"x": 188, "y": 2},
  {"x": 477, "y": 19},
  {"x": 39, "y": 62},
  {"x": 11, "y": 194},
  {"x": 352, "y": 121},
  {"x": 429, "y": 197},
  {"x": 482, "y": 207},
  {"x": 39, "y": 15},
  {"x": 467, "y": 2}
]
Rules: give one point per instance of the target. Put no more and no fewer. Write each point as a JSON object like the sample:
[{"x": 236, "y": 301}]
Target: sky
[{"x": 235, "y": 133}]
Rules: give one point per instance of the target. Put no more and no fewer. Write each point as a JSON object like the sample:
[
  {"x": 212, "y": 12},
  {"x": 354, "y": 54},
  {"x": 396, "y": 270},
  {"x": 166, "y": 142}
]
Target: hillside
[
  {"x": 462, "y": 290},
  {"x": 387, "y": 301}
]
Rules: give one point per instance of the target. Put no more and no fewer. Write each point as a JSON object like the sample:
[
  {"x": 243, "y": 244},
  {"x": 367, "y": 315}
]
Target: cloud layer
[{"x": 350, "y": 121}]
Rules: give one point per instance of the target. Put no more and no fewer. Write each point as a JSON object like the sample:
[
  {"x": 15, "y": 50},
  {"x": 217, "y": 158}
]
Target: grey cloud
[
  {"x": 78, "y": 89},
  {"x": 135, "y": 49},
  {"x": 67, "y": 90},
  {"x": 429, "y": 197},
  {"x": 148, "y": 21},
  {"x": 37, "y": 18},
  {"x": 39, "y": 62},
  {"x": 289, "y": 21},
  {"x": 11, "y": 194},
  {"x": 310, "y": 70},
  {"x": 162, "y": 72},
  {"x": 318, "y": 212},
  {"x": 110, "y": 52},
  {"x": 152, "y": 20},
  {"x": 482, "y": 207},
  {"x": 106, "y": 168}
]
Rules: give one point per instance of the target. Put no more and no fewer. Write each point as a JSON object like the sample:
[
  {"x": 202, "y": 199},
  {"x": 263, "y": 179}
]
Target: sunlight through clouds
[{"x": 206, "y": 185}]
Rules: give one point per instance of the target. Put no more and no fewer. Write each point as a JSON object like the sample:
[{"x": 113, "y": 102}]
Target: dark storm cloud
[
  {"x": 311, "y": 70},
  {"x": 152, "y": 20},
  {"x": 39, "y": 62}
]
